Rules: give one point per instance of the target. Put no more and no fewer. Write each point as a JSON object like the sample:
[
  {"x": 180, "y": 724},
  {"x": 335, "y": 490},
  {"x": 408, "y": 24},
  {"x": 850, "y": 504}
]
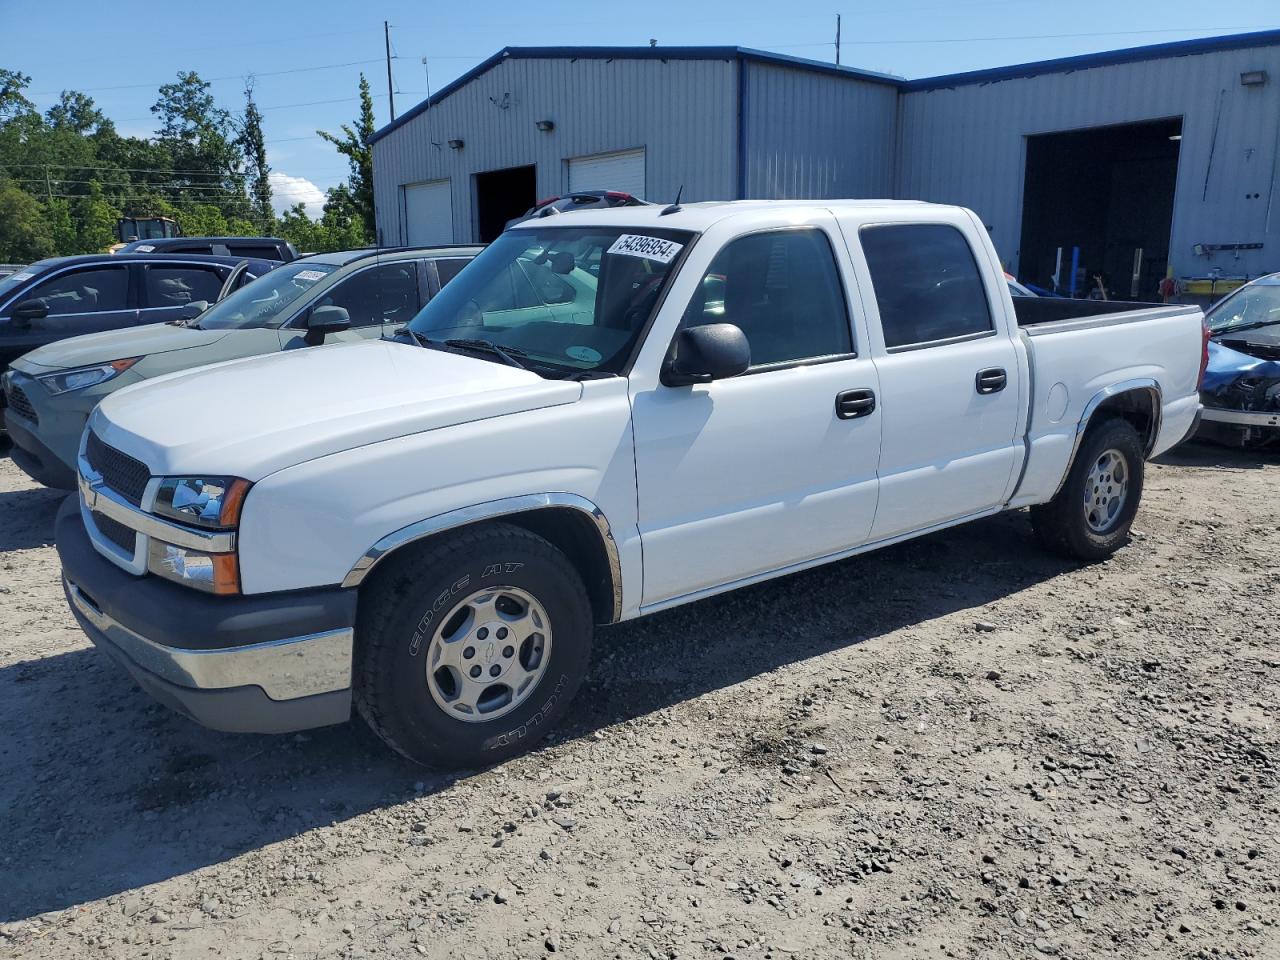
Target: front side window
[
  {"x": 178, "y": 286},
  {"x": 266, "y": 301},
  {"x": 449, "y": 267},
  {"x": 782, "y": 289},
  {"x": 530, "y": 291},
  {"x": 927, "y": 283},
  {"x": 95, "y": 290},
  {"x": 387, "y": 293}
]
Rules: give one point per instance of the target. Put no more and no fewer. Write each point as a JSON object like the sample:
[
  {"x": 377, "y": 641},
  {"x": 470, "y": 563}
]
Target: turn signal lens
[{"x": 211, "y": 572}]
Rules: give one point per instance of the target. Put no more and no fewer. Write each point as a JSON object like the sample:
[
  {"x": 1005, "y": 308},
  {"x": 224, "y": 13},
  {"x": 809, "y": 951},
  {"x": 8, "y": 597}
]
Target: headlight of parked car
[
  {"x": 65, "y": 381},
  {"x": 213, "y": 503}
]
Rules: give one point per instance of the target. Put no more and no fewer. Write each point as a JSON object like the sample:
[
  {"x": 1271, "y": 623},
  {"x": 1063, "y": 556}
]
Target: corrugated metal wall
[
  {"x": 684, "y": 112},
  {"x": 966, "y": 145},
  {"x": 817, "y": 136}
]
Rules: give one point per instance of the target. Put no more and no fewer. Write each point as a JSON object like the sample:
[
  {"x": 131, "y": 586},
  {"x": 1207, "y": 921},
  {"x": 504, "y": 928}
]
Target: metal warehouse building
[{"x": 1128, "y": 163}]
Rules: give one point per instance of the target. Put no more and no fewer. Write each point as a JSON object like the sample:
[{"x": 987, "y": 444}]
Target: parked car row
[{"x": 607, "y": 412}]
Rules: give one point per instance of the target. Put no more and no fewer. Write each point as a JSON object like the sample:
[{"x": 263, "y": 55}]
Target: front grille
[
  {"x": 21, "y": 406},
  {"x": 119, "y": 471},
  {"x": 115, "y": 531}
]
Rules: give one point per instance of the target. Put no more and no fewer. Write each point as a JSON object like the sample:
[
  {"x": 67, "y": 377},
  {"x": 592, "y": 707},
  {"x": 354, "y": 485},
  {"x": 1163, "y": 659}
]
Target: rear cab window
[{"x": 927, "y": 284}]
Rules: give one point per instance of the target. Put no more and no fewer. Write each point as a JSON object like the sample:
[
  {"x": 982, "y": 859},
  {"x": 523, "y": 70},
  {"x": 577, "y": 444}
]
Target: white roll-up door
[
  {"x": 428, "y": 213},
  {"x": 623, "y": 171}
]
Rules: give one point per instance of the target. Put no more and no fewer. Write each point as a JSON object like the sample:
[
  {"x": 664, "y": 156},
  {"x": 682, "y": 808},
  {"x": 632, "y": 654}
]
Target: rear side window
[
  {"x": 256, "y": 250},
  {"x": 782, "y": 289},
  {"x": 178, "y": 286},
  {"x": 190, "y": 248},
  {"x": 85, "y": 291},
  {"x": 927, "y": 283}
]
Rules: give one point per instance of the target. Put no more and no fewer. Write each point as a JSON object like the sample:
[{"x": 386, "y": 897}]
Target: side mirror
[
  {"x": 714, "y": 351},
  {"x": 29, "y": 310},
  {"x": 326, "y": 320},
  {"x": 193, "y": 309}
]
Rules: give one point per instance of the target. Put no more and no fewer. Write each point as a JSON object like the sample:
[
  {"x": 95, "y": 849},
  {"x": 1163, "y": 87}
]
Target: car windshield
[
  {"x": 1255, "y": 305},
  {"x": 264, "y": 302},
  {"x": 572, "y": 299},
  {"x": 13, "y": 281}
]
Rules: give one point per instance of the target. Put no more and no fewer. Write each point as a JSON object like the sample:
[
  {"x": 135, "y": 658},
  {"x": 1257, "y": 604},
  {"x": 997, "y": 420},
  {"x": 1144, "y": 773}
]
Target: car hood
[
  {"x": 1234, "y": 380},
  {"x": 252, "y": 417},
  {"x": 111, "y": 345}
]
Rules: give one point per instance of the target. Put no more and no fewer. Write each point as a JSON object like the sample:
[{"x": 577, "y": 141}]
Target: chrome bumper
[
  {"x": 284, "y": 669},
  {"x": 1242, "y": 418}
]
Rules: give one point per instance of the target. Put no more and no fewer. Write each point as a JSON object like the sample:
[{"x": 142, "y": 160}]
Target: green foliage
[
  {"x": 97, "y": 217},
  {"x": 254, "y": 146},
  {"x": 355, "y": 146},
  {"x": 62, "y": 228},
  {"x": 24, "y": 234}
]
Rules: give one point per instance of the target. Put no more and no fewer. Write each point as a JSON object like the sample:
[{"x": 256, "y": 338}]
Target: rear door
[
  {"x": 951, "y": 390},
  {"x": 168, "y": 288}
]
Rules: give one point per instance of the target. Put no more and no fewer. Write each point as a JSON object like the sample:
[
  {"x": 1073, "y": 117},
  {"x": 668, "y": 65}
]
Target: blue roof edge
[{"x": 1235, "y": 41}]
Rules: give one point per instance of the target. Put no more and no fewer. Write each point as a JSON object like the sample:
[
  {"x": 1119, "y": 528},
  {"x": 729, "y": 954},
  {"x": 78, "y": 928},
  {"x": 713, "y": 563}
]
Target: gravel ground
[{"x": 958, "y": 747}]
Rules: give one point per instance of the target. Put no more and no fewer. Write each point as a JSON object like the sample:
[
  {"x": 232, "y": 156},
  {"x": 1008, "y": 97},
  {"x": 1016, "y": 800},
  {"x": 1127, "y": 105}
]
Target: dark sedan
[{"x": 1241, "y": 386}]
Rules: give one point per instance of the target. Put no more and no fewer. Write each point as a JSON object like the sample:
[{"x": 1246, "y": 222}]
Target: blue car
[{"x": 1241, "y": 385}]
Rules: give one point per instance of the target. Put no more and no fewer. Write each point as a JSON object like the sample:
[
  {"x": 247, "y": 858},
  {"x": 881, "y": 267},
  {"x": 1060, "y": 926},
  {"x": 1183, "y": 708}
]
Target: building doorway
[
  {"x": 1104, "y": 198},
  {"x": 502, "y": 195}
]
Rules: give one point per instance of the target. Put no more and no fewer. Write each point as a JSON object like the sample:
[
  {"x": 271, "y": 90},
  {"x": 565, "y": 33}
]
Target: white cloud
[{"x": 287, "y": 191}]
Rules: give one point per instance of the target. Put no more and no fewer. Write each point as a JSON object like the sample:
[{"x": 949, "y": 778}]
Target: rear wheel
[
  {"x": 1090, "y": 517},
  {"x": 470, "y": 648}
]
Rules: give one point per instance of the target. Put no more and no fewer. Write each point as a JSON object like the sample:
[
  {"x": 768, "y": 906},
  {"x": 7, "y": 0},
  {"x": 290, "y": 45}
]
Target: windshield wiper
[
  {"x": 1239, "y": 327},
  {"x": 508, "y": 355},
  {"x": 419, "y": 338}
]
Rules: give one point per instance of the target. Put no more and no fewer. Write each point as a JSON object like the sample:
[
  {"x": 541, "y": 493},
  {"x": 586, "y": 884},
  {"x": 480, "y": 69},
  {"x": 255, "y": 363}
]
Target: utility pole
[
  {"x": 391, "y": 94},
  {"x": 837, "y": 39}
]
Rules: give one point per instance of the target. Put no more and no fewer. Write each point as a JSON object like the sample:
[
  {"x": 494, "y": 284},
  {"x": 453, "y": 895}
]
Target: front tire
[
  {"x": 1090, "y": 517},
  {"x": 470, "y": 648}
]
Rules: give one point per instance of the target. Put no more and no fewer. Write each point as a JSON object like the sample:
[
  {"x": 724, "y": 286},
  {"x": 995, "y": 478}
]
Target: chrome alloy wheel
[
  {"x": 1105, "y": 490},
  {"x": 487, "y": 657}
]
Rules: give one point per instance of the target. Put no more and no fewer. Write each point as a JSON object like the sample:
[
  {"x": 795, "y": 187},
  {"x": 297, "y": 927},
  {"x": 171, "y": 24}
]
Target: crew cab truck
[{"x": 607, "y": 413}]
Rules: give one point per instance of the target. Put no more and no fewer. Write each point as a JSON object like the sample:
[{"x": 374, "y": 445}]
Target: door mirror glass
[
  {"x": 193, "y": 309},
  {"x": 325, "y": 320},
  {"x": 29, "y": 310},
  {"x": 712, "y": 351}
]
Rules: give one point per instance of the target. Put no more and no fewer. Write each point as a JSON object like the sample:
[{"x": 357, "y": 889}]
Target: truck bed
[{"x": 1053, "y": 314}]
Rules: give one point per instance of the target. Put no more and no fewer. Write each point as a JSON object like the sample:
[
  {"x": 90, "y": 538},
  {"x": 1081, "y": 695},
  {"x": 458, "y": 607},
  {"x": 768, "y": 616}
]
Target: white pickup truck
[{"x": 608, "y": 413}]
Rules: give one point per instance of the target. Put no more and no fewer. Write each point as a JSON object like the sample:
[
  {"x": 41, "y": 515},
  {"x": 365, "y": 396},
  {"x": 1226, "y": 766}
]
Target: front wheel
[
  {"x": 1090, "y": 517},
  {"x": 469, "y": 649}
]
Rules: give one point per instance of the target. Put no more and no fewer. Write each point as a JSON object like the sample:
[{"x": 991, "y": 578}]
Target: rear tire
[
  {"x": 470, "y": 648},
  {"x": 1090, "y": 517}
]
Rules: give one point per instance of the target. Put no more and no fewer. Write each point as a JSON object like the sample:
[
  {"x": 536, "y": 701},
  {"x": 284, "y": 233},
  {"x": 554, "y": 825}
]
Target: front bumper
[
  {"x": 34, "y": 458},
  {"x": 1241, "y": 418},
  {"x": 45, "y": 447},
  {"x": 258, "y": 664}
]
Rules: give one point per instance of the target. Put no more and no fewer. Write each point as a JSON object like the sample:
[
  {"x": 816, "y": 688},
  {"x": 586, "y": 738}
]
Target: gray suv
[{"x": 332, "y": 297}]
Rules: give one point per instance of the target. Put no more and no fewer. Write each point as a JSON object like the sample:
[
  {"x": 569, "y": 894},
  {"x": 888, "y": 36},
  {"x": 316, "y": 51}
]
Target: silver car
[{"x": 354, "y": 295}]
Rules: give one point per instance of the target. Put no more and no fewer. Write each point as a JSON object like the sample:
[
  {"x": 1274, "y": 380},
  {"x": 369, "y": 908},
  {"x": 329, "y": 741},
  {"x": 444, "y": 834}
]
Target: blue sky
[{"x": 307, "y": 56}]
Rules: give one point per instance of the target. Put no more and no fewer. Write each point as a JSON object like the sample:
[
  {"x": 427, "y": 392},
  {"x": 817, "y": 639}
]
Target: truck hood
[
  {"x": 111, "y": 345},
  {"x": 249, "y": 418}
]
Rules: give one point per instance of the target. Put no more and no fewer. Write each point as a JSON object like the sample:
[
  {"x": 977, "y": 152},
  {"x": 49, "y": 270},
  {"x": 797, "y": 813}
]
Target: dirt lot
[{"x": 958, "y": 747}]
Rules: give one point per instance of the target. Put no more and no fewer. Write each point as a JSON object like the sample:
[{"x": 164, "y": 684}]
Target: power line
[
  {"x": 1028, "y": 36},
  {"x": 236, "y": 76}
]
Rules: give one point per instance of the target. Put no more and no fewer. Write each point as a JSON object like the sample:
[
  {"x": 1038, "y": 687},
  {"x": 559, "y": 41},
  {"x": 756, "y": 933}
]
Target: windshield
[
  {"x": 1257, "y": 304},
  {"x": 569, "y": 298},
  {"x": 14, "y": 280},
  {"x": 265, "y": 301}
]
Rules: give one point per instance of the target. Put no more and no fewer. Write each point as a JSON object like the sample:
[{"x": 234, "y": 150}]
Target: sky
[{"x": 306, "y": 58}]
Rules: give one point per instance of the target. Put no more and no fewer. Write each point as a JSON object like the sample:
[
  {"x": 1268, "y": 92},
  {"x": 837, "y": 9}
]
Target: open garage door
[
  {"x": 1104, "y": 198},
  {"x": 609, "y": 171},
  {"x": 428, "y": 213}
]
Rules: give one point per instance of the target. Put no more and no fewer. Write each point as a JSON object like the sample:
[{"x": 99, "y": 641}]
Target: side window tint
[
  {"x": 384, "y": 294},
  {"x": 926, "y": 281},
  {"x": 448, "y": 269},
  {"x": 782, "y": 289},
  {"x": 85, "y": 291},
  {"x": 178, "y": 286}
]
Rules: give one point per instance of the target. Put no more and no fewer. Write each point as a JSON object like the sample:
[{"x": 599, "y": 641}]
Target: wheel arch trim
[
  {"x": 491, "y": 510},
  {"x": 1136, "y": 385}
]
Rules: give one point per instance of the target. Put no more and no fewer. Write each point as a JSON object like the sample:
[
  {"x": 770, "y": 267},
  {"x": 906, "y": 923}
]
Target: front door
[
  {"x": 752, "y": 474},
  {"x": 378, "y": 299},
  {"x": 950, "y": 381},
  {"x": 81, "y": 300}
]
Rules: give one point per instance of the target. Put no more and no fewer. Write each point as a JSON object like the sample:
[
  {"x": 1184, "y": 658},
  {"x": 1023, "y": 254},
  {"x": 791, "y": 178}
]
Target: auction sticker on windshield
[
  {"x": 651, "y": 248},
  {"x": 309, "y": 275}
]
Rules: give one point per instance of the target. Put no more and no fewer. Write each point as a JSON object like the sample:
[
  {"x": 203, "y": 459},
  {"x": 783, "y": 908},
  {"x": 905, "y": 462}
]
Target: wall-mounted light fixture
[
  {"x": 455, "y": 144},
  {"x": 1253, "y": 78},
  {"x": 546, "y": 126}
]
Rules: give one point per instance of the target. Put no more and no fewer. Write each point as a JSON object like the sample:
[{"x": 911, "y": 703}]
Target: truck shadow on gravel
[
  {"x": 107, "y": 792},
  {"x": 26, "y": 517}
]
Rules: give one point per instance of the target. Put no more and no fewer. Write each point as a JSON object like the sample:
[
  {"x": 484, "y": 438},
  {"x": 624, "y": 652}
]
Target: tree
[
  {"x": 24, "y": 234},
  {"x": 76, "y": 113},
  {"x": 356, "y": 147},
  {"x": 13, "y": 102},
  {"x": 62, "y": 229},
  {"x": 255, "y": 151},
  {"x": 97, "y": 218},
  {"x": 199, "y": 136}
]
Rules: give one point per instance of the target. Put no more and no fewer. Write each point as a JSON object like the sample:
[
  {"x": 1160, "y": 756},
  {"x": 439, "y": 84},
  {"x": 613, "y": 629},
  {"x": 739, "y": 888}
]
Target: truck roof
[{"x": 702, "y": 214}]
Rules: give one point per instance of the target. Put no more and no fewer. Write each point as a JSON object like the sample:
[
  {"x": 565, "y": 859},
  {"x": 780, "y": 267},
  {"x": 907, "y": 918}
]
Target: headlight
[
  {"x": 210, "y": 572},
  {"x": 210, "y": 502},
  {"x": 65, "y": 381}
]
